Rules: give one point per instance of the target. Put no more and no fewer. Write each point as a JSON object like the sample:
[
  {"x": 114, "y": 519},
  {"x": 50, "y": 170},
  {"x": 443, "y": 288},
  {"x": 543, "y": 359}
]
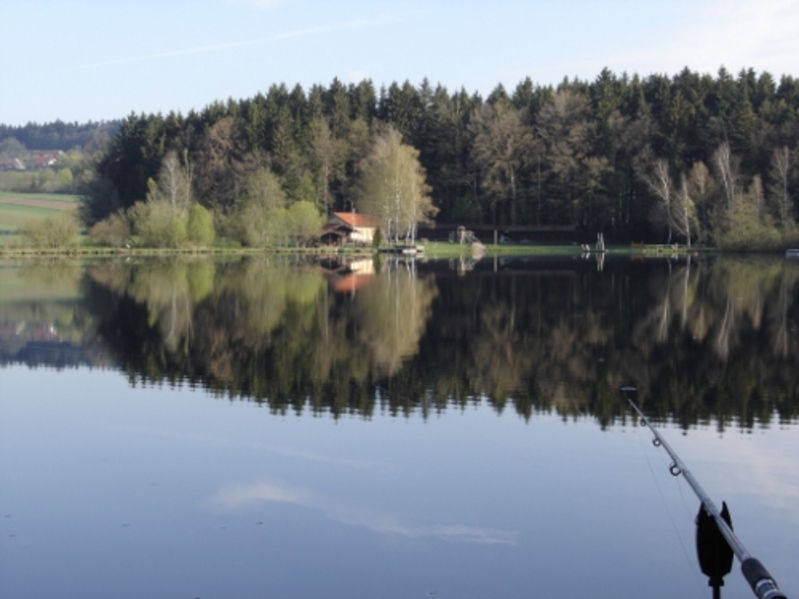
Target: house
[
  {"x": 349, "y": 228},
  {"x": 12, "y": 165},
  {"x": 45, "y": 158}
]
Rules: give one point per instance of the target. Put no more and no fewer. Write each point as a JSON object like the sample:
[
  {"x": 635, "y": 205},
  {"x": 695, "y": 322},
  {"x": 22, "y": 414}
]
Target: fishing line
[
  {"x": 760, "y": 580},
  {"x": 688, "y": 511},
  {"x": 675, "y": 528}
]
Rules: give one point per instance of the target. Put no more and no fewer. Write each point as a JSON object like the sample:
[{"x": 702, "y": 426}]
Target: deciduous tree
[
  {"x": 779, "y": 193},
  {"x": 393, "y": 186},
  {"x": 502, "y": 145}
]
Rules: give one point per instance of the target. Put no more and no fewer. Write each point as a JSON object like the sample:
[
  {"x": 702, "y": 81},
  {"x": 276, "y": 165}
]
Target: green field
[
  {"x": 18, "y": 208},
  {"x": 44, "y": 197}
]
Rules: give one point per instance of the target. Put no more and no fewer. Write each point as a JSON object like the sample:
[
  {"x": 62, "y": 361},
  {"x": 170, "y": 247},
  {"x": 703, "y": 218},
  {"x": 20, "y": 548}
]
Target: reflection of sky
[
  {"x": 239, "y": 497},
  {"x": 171, "y": 493},
  {"x": 757, "y": 464}
]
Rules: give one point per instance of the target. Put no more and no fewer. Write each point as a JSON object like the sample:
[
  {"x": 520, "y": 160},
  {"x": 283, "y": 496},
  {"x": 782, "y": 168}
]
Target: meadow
[{"x": 18, "y": 208}]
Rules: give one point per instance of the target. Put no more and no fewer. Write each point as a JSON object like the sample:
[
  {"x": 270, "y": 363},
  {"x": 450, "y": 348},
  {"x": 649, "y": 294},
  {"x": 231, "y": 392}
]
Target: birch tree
[
  {"x": 780, "y": 197},
  {"x": 174, "y": 185},
  {"x": 657, "y": 179},
  {"x": 393, "y": 187},
  {"x": 684, "y": 213},
  {"x": 726, "y": 166}
]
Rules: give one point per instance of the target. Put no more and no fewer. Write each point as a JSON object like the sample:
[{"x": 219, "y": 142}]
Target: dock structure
[{"x": 501, "y": 233}]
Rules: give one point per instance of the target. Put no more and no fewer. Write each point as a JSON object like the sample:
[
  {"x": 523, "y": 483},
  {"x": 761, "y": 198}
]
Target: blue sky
[{"x": 80, "y": 60}]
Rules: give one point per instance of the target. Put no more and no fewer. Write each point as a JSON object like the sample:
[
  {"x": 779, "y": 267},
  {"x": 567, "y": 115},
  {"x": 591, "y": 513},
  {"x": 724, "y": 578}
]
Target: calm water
[{"x": 270, "y": 428}]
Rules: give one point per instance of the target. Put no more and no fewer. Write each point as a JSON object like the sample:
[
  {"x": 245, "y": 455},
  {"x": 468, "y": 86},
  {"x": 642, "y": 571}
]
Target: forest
[
  {"x": 59, "y": 135},
  {"x": 693, "y": 158}
]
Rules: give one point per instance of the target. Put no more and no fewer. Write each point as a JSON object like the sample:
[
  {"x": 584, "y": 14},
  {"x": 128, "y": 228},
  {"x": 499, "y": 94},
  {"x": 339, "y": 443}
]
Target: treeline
[
  {"x": 686, "y": 158},
  {"x": 59, "y": 135},
  {"x": 704, "y": 342}
]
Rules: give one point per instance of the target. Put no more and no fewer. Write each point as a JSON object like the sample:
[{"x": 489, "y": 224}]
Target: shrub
[
  {"x": 252, "y": 226},
  {"x": 304, "y": 222},
  {"x": 260, "y": 227},
  {"x": 748, "y": 234},
  {"x": 59, "y": 231},
  {"x": 158, "y": 224},
  {"x": 112, "y": 232},
  {"x": 200, "y": 228},
  {"x": 790, "y": 237}
]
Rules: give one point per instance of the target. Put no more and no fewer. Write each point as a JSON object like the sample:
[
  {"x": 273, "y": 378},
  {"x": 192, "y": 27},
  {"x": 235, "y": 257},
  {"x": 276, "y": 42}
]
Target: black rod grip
[{"x": 762, "y": 583}]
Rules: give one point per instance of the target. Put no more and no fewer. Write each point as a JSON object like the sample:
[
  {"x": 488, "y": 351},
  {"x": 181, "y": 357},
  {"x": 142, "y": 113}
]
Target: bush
[
  {"x": 749, "y": 235},
  {"x": 304, "y": 222},
  {"x": 260, "y": 227},
  {"x": 252, "y": 227},
  {"x": 113, "y": 231},
  {"x": 158, "y": 224},
  {"x": 200, "y": 228},
  {"x": 790, "y": 238},
  {"x": 60, "y": 231}
]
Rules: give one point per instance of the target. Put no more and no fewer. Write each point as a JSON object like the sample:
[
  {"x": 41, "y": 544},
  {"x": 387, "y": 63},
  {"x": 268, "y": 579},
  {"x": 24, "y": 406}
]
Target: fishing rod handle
[{"x": 762, "y": 583}]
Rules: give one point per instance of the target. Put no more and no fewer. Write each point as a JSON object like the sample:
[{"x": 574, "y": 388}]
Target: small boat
[{"x": 792, "y": 253}]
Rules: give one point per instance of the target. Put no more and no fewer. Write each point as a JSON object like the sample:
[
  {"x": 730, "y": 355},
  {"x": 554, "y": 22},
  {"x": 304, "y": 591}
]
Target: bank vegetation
[{"x": 690, "y": 159}]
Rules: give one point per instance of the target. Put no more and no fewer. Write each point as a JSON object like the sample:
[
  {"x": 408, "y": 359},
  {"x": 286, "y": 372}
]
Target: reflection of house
[
  {"x": 349, "y": 227},
  {"x": 349, "y": 278}
]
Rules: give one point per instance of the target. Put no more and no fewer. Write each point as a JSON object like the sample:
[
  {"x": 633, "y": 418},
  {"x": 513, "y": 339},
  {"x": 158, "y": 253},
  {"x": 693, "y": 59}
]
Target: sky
[{"x": 82, "y": 60}]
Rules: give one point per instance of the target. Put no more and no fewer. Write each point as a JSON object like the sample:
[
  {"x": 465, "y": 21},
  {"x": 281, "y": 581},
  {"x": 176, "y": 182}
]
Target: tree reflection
[
  {"x": 692, "y": 335},
  {"x": 705, "y": 340},
  {"x": 392, "y": 315}
]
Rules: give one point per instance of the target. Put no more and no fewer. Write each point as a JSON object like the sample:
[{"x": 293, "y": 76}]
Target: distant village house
[{"x": 38, "y": 159}]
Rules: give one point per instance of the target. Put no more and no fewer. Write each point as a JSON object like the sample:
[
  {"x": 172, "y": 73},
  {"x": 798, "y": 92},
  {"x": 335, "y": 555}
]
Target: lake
[{"x": 287, "y": 427}]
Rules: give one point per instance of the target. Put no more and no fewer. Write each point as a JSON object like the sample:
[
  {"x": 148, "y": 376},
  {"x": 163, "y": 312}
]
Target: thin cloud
[
  {"x": 258, "y": 3},
  {"x": 287, "y": 35},
  {"x": 237, "y": 497},
  {"x": 734, "y": 34},
  {"x": 240, "y": 497},
  {"x": 770, "y": 474}
]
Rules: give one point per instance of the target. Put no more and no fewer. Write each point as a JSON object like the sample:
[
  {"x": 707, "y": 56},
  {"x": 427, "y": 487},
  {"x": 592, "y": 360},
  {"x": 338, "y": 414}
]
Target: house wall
[{"x": 363, "y": 234}]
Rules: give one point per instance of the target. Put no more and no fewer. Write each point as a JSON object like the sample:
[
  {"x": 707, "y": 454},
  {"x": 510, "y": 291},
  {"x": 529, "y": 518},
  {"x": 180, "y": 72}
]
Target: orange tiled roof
[{"x": 354, "y": 219}]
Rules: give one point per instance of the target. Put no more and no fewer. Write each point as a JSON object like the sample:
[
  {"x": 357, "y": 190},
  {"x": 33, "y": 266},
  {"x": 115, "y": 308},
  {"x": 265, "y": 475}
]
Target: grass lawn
[
  {"x": 450, "y": 250},
  {"x": 62, "y": 198}
]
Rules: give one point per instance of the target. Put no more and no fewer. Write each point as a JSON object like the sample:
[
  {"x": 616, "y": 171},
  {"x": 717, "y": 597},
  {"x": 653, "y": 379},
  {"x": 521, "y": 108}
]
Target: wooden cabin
[{"x": 346, "y": 228}]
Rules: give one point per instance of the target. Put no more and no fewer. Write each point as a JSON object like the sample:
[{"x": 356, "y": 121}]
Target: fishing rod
[{"x": 762, "y": 583}]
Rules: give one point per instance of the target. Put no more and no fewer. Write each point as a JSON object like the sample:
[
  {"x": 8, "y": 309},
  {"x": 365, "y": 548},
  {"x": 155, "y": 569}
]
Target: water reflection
[
  {"x": 240, "y": 497},
  {"x": 705, "y": 340}
]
